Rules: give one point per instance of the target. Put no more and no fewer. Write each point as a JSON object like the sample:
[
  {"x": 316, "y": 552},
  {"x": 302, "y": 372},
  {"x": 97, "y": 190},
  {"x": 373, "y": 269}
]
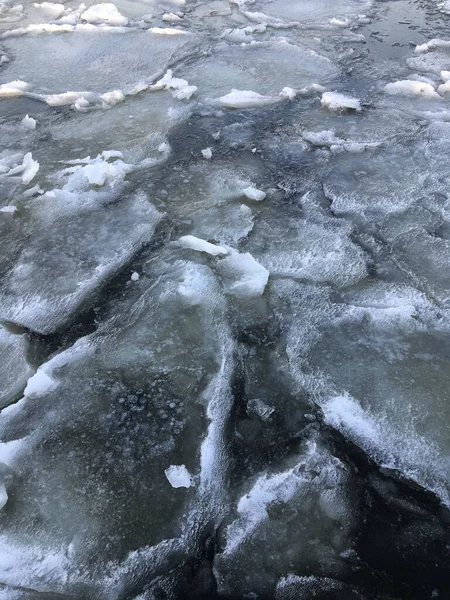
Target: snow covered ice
[{"x": 224, "y": 300}]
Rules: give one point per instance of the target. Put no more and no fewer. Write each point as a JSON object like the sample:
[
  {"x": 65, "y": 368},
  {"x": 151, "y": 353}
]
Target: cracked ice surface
[{"x": 224, "y": 300}]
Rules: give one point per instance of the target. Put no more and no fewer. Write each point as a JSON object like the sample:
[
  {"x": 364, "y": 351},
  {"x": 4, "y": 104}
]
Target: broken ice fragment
[
  {"x": 246, "y": 99},
  {"x": 28, "y": 122},
  {"x": 14, "y": 88},
  {"x": 104, "y": 13},
  {"x": 3, "y": 496},
  {"x": 51, "y": 9},
  {"x": 195, "y": 243},
  {"x": 38, "y": 384},
  {"x": 180, "y": 88},
  {"x": 289, "y": 93},
  {"x": 254, "y": 194},
  {"x": 260, "y": 408},
  {"x": 243, "y": 276},
  {"x": 338, "y": 102},
  {"x": 178, "y": 476},
  {"x": 409, "y": 87},
  {"x": 31, "y": 167},
  {"x": 171, "y": 17}
]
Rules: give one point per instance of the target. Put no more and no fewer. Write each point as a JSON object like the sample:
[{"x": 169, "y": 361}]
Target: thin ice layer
[
  {"x": 136, "y": 409},
  {"x": 70, "y": 256},
  {"x": 14, "y": 366}
]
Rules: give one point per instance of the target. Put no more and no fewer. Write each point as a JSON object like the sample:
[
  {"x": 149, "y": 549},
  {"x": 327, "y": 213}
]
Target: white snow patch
[
  {"x": 168, "y": 31},
  {"x": 164, "y": 148},
  {"x": 37, "y": 28},
  {"x": 171, "y": 17},
  {"x": 28, "y": 122},
  {"x": 433, "y": 44},
  {"x": 444, "y": 88},
  {"x": 98, "y": 171},
  {"x": 246, "y": 99},
  {"x": 67, "y": 98},
  {"x": 112, "y": 98},
  {"x": 51, "y": 9},
  {"x": 3, "y": 496},
  {"x": 106, "y": 12},
  {"x": 340, "y": 22},
  {"x": 207, "y": 153},
  {"x": 29, "y": 168},
  {"x": 195, "y": 243},
  {"x": 409, "y": 87},
  {"x": 13, "y": 89},
  {"x": 178, "y": 476},
  {"x": 9, "y": 450},
  {"x": 253, "y": 193},
  {"x": 180, "y": 88},
  {"x": 269, "y": 21},
  {"x": 337, "y": 102},
  {"x": 328, "y": 139},
  {"x": 39, "y": 384},
  {"x": 289, "y": 93},
  {"x": 8, "y": 209},
  {"x": 36, "y": 189}
]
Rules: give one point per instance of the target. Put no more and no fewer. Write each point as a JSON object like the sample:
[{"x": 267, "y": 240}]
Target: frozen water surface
[{"x": 224, "y": 300}]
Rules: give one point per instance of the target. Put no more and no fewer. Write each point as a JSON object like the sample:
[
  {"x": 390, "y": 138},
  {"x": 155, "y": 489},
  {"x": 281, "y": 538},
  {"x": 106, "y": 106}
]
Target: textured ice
[
  {"x": 227, "y": 224},
  {"x": 379, "y": 410},
  {"x": 160, "y": 326},
  {"x": 142, "y": 420},
  {"x": 317, "y": 250},
  {"x": 243, "y": 276},
  {"x": 311, "y": 12},
  {"x": 308, "y": 587},
  {"x": 258, "y": 69},
  {"x": 121, "y": 61},
  {"x": 72, "y": 252},
  {"x": 431, "y": 57},
  {"x": 294, "y": 497},
  {"x": 328, "y": 139}
]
